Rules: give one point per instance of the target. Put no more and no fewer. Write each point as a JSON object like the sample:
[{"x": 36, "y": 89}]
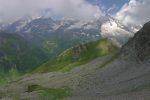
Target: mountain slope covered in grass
[
  {"x": 78, "y": 55},
  {"x": 18, "y": 56},
  {"x": 16, "y": 52}
]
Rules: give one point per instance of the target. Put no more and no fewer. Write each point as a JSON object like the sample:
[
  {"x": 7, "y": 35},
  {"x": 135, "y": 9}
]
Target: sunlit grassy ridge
[{"x": 78, "y": 55}]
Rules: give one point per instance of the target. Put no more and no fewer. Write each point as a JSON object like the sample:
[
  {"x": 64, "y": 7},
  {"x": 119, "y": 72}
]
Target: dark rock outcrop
[{"x": 138, "y": 47}]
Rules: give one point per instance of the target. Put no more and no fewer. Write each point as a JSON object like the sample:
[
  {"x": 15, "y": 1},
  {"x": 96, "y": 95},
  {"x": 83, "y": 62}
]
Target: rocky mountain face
[
  {"x": 138, "y": 47},
  {"x": 69, "y": 29},
  {"x": 46, "y": 26}
]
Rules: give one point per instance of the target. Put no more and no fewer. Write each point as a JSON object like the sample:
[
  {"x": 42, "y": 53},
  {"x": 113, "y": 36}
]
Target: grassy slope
[
  {"x": 15, "y": 51},
  {"x": 77, "y": 56},
  {"x": 53, "y": 93},
  {"x": 17, "y": 56},
  {"x": 23, "y": 55},
  {"x": 10, "y": 76}
]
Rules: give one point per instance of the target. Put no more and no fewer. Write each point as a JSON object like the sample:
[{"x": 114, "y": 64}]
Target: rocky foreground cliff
[{"x": 138, "y": 47}]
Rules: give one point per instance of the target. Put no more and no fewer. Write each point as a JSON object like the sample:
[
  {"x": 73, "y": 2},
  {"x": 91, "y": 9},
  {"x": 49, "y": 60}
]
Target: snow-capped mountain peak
[{"x": 116, "y": 31}]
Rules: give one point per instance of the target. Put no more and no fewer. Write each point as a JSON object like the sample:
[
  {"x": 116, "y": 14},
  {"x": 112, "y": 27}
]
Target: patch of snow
[
  {"x": 97, "y": 35},
  {"x": 83, "y": 33},
  {"x": 28, "y": 31},
  {"x": 114, "y": 30},
  {"x": 77, "y": 25},
  {"x": 22, "y": 24},
  {"x": 55, "y": 26},
  {"x": 90, "y": 26},
  {"x": 87, "y": 35}
]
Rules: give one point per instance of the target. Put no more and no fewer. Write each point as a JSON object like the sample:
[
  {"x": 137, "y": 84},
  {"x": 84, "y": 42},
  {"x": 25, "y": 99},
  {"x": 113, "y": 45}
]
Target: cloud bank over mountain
[
  {"x": 11, "y": 10},
  {"x": 124, "y": 23},
  {"x": 132, "y": 16},
  {"x": 135, "y": 13}
]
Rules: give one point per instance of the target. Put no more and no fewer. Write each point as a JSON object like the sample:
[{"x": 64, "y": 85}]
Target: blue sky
[{"x": 115, "y": 4}]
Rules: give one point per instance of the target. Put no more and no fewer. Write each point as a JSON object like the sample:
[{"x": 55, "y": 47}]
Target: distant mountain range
[
  {"x": 45, "y": 26},
  {"x": 65, "y": 28}
]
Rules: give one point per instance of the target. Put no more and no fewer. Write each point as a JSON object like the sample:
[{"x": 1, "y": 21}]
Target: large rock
[{"x": 138, "y": 47}]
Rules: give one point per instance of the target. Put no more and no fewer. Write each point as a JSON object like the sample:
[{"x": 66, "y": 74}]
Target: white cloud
[
  {"x": 115, "y": 31},
  {"x": 134, "y": 14},
  {"x": 131, "y": 18},
  {"x": 11, "y": 10}
]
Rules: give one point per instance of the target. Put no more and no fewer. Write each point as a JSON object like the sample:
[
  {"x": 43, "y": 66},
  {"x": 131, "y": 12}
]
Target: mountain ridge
[{"x": 78, "y": 28}]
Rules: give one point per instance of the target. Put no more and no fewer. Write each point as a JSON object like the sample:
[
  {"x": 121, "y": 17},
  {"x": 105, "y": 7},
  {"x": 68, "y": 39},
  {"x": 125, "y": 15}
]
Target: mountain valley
[{"x": 92, "y": 71}]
